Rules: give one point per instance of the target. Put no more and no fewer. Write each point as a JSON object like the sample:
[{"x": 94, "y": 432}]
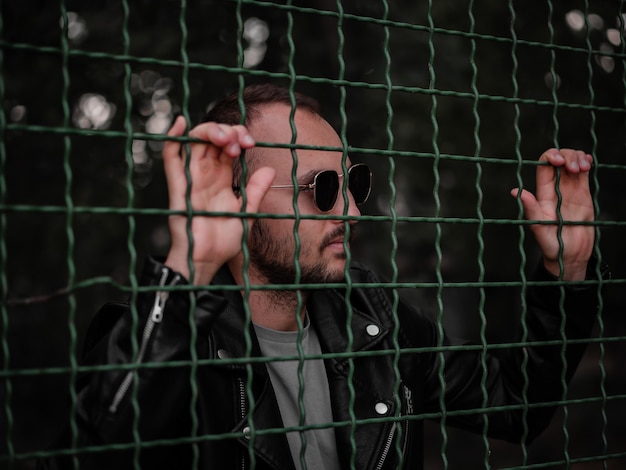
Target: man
[{"x": 198, "y": 383}]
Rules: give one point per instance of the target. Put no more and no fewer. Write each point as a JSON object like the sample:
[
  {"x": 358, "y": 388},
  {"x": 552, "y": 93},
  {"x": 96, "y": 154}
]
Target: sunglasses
[{"x": 326, "y": 186}]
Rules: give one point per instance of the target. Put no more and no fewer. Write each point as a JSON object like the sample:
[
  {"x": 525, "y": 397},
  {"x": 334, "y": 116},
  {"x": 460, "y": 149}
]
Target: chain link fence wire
[{"x": 449, "y": 104}]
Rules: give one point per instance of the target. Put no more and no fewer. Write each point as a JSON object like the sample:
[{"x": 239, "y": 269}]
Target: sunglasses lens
[
  {"x": 326, "y": 189},
  {"x": 360, "y": 182}
]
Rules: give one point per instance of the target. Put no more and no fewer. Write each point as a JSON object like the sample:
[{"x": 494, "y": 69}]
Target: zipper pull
[
  {"x": 161, "y": 297},
  {"x": 159, "y": 304}
]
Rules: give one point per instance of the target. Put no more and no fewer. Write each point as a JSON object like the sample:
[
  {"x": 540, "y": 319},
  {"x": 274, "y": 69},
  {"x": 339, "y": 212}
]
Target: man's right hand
[{"x": 216, "y": 239}]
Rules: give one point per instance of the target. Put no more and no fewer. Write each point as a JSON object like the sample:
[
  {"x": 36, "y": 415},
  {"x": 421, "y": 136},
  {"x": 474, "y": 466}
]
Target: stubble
[{"x": 273, "y": 258}]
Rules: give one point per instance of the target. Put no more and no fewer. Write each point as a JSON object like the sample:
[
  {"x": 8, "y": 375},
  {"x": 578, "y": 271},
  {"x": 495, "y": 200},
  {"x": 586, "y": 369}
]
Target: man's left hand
[{"x": 576, "y": 206}]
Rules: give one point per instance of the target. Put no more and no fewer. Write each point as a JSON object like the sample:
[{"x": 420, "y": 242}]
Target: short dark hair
[
  {"x": 255, "y": 97},
  {"x": 228, "y": 110}
]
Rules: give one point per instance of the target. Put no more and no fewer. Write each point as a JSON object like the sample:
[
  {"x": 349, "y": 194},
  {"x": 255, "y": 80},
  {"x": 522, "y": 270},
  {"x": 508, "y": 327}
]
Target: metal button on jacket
[
  {"x": 223, "y": 354},
  {"x": 372, "y": 330},
  {"x": 381, "y": 408}
]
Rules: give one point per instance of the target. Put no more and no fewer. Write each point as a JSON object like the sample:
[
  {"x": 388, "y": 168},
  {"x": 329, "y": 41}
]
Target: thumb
[
  {"x": 532, "y": 210},
  {"x": 171, "y": 148},
  {"x": 173, "y": 164},
  {"x": 258, "y": 185}
]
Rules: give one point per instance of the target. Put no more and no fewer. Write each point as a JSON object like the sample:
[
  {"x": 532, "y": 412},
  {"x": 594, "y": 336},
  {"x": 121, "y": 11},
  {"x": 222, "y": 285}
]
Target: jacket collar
[
  {"x": 231, "y": 323},
  {"x": 328, "y": 312},
  {"x": 331, "y": 315}
]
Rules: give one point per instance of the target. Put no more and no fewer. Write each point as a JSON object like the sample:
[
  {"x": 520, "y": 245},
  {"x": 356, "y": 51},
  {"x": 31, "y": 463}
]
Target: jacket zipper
[
  {"x": 242, "y": 409},
  {"x": 387, "y": 447},
  {"x": 392, "y": 433},
  {"x": 405, "y": 436},
  {"x": 156, "y": 316}
]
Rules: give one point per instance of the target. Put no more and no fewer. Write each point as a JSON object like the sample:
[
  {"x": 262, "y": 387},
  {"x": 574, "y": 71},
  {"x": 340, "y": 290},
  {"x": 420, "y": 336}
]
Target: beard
[{"x": 273, "y": 260}]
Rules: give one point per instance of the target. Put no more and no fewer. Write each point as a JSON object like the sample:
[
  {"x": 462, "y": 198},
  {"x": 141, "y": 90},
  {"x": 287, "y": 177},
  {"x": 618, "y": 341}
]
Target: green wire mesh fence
[{"x": 449, "y": 104}]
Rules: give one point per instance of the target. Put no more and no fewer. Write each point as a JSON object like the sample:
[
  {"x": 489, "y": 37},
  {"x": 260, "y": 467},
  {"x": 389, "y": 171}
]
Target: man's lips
[
  {"x": 338, "y": 242},
  {"x": 335, "y": 239}
]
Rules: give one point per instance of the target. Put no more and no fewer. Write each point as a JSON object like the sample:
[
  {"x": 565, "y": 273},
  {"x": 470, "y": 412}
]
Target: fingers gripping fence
[{"x": 449, "y": 105}]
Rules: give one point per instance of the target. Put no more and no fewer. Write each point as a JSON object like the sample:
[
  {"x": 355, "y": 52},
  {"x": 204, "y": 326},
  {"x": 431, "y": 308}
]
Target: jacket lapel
[
  {"x": 372, "y": 376},
  {"x": 229, "y": 342}
]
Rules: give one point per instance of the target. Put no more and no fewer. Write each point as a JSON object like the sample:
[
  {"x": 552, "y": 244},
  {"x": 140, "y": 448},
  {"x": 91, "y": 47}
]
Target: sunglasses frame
[{"x": 313, "y": 186}]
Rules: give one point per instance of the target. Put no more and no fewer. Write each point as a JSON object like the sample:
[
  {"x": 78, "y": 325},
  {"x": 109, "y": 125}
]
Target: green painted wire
[
  {"x": 107, "y": 280},
  {"x": 193, "y": 337},
  {"x": 481, "y": 242},
  {"x": 282, "y": 75},
  {"x": 394, "y": 242},
  {"x": 596, "y": 196},
  {"x": 378, "y": 218},
  {"x": 296, "y": 238},
  {"x": 177, "y": 441},
  {"x": 582, "y": 461},
  {"x": 251, "y": 434},
  {"x": 601, "y": 282},
  {"x": 521, "y": 235},
  {"x": 23, "y": 208},
  {"x": 130, "y": 212},
  {"x": 230, "y": 435},
  {"x": 124, "y": 58},
  {"x": 31, "y": 372},
  {"x": 4, "y": 285},
  {"x": 320, "y": 12},
  {"x": 555, "y": 120},
  {"x": 128, "y": 152},
  {"x": 365, "y": 150},
  {"x": 71, "y": 268},
  {"x": 440, "y": 332},
  {"x": 344, "y": 193}
]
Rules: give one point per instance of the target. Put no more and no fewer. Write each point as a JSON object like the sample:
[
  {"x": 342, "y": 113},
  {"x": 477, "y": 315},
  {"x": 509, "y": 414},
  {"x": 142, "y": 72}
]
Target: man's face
[{"x": 272, "y": 245}]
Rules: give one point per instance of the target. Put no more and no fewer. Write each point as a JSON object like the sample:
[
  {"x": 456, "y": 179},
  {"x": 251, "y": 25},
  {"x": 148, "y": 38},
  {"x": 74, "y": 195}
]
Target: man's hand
[
  {"x": 576, "y": 205},
  {"x": 215, "y": 239}
]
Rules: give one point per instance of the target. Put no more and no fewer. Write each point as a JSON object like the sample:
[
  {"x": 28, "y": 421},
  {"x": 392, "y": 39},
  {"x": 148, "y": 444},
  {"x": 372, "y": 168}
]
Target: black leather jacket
[{"x": 217, "y": 385}]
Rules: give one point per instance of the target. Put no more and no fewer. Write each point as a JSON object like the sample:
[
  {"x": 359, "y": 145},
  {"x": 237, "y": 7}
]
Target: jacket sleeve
[
  {"x": 155, "y": 368},
  {"x": 527, "y": 379}
]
